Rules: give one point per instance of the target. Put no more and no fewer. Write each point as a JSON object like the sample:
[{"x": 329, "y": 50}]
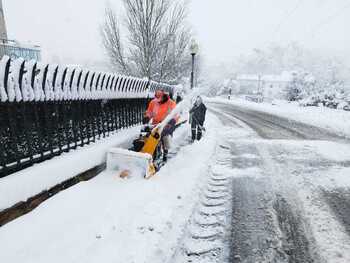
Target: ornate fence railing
[{"x": 46, "y": 110}]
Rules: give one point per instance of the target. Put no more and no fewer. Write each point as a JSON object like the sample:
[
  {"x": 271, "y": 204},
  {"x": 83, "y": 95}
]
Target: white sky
[{"x": 68, "y": 30}]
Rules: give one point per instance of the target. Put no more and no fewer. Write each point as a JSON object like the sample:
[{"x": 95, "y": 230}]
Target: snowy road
[
  {"x": 270, "y": 126},
  {"x": 290, "y": 193}
]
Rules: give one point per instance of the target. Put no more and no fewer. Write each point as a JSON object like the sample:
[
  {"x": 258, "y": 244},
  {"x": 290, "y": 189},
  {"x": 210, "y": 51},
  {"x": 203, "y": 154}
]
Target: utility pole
[
  {"x": 3, "y": 31},
  {"x": 259, "y": 82},
  {"x": 192, "y": 71}
]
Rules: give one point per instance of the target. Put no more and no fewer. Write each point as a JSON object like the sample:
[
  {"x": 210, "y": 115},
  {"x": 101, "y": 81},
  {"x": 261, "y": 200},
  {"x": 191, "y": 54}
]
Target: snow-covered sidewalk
[
  {"x": 27, "y": 183},
  {"x": 336, "y": 121},
  {"x": 108, "y": 219}
]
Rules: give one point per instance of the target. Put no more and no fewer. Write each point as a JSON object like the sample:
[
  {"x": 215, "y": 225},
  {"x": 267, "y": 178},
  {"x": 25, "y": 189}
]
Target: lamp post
[{"x": 194, "y": 50}]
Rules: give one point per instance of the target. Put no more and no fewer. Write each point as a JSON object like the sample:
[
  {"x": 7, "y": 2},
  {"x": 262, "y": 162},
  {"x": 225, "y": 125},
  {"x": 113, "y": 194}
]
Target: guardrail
[
  {"x": 46, "y": 110},
  {"x": 254, "y": 98}
]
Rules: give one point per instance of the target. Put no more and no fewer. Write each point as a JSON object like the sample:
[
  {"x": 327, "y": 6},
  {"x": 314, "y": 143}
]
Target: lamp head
[{"x": 194, "y": 47}]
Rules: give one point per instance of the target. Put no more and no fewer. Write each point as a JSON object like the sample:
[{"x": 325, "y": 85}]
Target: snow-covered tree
[
  {"x": 302, "y": 85},
  {"x": 155, "y": 42}
]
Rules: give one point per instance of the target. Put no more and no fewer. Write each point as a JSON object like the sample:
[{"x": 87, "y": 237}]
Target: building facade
[
  {"x": 3, "y": 31},
  {"x": 268, "y": 86},
  {"x": 12, "y": 48}
]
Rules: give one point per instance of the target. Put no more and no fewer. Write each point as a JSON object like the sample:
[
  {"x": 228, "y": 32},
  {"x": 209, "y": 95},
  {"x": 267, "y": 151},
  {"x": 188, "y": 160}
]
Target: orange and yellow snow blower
[
  {"x": 138, "y": 159},
  {"x": 141, "y": 159}
]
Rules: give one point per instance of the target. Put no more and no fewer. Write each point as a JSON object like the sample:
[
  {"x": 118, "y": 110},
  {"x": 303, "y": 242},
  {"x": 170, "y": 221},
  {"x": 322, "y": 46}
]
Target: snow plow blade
[{"x": 126, "y": 163}]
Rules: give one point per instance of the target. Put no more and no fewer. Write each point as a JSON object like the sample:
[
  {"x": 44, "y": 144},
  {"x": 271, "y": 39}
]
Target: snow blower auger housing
[{"x": 137, "y": 159}]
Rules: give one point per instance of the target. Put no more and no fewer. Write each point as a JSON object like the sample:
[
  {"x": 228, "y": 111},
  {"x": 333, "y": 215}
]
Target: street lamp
[{"x": 194, "y": 50}]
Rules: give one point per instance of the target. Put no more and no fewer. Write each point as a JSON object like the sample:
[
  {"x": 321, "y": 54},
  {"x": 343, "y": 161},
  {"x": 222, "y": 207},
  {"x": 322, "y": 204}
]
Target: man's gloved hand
[
  {"x": 145, "y": 120},
  {"x": 169, "y": 128}
]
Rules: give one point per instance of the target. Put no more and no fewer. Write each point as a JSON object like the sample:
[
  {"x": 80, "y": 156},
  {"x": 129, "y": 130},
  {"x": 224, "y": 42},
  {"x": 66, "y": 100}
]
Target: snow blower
[{"x": 140, "y": 159}]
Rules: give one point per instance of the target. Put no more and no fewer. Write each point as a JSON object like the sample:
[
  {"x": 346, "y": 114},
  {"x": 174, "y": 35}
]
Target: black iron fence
[{"x": 45, "y": 110}]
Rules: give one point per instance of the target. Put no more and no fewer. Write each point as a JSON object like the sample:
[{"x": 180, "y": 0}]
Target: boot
[
  {"x": 199, "y": 134},
  {"x": 165, "y": 155},
  {"x": 193, "y": 135}
]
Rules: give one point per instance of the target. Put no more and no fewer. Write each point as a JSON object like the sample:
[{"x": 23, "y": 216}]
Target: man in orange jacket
[
  {"x": 158, "y": 109},
  {"x": 153, "y": 106}
]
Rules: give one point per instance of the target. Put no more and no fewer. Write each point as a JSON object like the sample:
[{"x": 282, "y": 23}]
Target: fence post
[
  {"x": 12, "y": 124},
  {"x": 27, "y": 130},
  {"x": 81, "y": 117},
  {"x": 58, "y": 126},
  {"x": 3, "y": 137},
  {"x": 49, "y": 130}
]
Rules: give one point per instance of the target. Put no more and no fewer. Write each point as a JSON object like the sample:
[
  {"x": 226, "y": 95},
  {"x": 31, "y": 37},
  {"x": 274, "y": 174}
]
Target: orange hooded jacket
[{"x": 158, "y": 111}]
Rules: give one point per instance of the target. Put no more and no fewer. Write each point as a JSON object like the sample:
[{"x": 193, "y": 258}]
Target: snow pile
[{"x": 32, "y": 81}]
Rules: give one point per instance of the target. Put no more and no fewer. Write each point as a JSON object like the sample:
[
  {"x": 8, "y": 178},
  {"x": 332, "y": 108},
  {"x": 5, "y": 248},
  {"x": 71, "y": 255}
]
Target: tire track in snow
[
  {"x": 255, "y": 233},
  {"x": 339, "y": 202},
  {"x": 207, "y": 238}
]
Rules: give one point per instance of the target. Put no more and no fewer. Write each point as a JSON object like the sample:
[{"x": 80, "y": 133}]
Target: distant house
[{"x": 269, "y": 86}]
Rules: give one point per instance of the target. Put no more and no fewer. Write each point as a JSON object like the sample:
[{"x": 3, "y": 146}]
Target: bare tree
[{"x": 156, "y": 40}]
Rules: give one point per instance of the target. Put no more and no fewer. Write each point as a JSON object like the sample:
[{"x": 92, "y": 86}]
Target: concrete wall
[{"x": 3, "y": 31}]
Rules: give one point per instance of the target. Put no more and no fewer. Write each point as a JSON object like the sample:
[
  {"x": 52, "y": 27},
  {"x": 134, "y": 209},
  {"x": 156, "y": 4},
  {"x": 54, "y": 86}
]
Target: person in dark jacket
[{"x": 197, "y": 112}]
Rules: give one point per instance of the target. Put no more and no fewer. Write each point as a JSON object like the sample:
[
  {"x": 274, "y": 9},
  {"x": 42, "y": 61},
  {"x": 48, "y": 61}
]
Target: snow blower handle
[{"x": 156, "y": 132}]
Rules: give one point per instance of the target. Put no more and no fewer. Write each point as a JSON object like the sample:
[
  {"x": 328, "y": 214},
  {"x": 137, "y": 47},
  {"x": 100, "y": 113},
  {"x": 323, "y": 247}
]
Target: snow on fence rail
[
  {"x": 46, "y": 110},
  {"x": 31, "y": 81}
]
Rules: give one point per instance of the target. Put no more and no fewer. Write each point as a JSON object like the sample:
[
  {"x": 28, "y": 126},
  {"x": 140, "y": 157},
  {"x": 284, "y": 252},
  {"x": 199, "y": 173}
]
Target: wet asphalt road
[
  {"x": 267, "y": 223},
  {"x": 274, "y": 127}
]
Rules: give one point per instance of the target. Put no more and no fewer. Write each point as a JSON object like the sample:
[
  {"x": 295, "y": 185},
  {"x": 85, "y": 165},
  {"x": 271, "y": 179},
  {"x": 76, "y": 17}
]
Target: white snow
[
  {"x": 69, "y": 88},
  {"x": 108, "y": 219},
  {"x": 3, "y": 94},
  {"x": 14, "y": 81},
  {"x": 26, "y": 183}
]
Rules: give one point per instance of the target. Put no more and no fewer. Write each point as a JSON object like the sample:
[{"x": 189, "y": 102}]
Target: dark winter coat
[{"x": 198, "y": 113}]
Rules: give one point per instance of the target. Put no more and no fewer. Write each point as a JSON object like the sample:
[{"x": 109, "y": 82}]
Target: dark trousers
[{"x": 196, "y": 130}]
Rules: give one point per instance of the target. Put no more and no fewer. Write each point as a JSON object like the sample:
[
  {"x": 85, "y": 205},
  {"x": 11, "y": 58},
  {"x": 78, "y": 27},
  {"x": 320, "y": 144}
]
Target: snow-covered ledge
[{"x": 29, "y": 182}]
